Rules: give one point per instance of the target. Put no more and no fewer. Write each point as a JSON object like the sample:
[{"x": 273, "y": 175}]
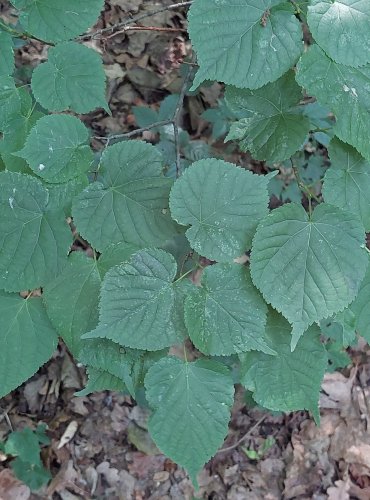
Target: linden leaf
[
  {"x": 246, "y": 43},
  {"x": 303, "y": 265},
  {"x": 191, "y": 403},
  {"x": 223, "y": 219},
  {"x": 72, "y": 78}
]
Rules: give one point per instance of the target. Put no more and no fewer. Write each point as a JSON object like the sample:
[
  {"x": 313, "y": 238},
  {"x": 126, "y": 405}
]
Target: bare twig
[
  {"x": 132, "y": 20},
  {"x": 9, "y": 29},
  {"x": 302, "y": 186},
  {"x": 137, "y": 131},
  {"x": 22, "y": 34},
  {"x": 177, "y": 117},
  {"x": 5, "y": 415},
  {"x": 174, "y": 121},
  {"x": 146, "y": 28},
  {"x": 298, "y": 10},
  {"x": 246, "y": 436}
]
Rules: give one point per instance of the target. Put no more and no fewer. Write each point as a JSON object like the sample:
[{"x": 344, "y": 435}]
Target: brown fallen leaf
[
  {"x": 338, "y": 392},
  {"x": 141, "y": 439},
  {"x": 142, "y": 464},
  {"x": 339, "y": 491},
  {"x": 359, "y": 454},
  {"x": 68, "y": 434},
  {"x": 11, "y": 488},
  {"x": 67, "y": 477}
]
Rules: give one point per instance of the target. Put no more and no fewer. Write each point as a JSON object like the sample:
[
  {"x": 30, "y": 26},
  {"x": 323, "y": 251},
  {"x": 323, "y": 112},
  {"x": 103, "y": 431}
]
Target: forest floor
[{"x": 109, "y": 454}]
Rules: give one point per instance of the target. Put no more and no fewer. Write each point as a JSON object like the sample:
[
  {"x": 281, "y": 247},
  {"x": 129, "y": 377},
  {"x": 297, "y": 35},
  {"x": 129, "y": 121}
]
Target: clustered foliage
[{"x": 122, "y": 310}]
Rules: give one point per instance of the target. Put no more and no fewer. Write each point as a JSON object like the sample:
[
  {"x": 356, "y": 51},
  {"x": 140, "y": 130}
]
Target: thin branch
[
  {"x": 302, "y": 186},
  {"x": 245, "y": 437},
  {"x": 146, "y": 28},
  {"x": 174, "y": 121},
  {"x": 177, "y": 117},
  {"x": 22, "y": 34},
  {"x": 314, "y": 131},
  {"x": 5, "y": 415},
  {"x": 9, "y": 29},
  {"x": 137, "y": 131},
  {"x": 298, "y": 10},
  {"x": 184, "y": 275},
  {"x": 132, "y": 20}
]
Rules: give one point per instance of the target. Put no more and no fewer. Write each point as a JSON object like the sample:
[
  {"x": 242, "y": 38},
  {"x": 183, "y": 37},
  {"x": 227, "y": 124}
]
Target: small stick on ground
[{"x": 245, "y": 437}]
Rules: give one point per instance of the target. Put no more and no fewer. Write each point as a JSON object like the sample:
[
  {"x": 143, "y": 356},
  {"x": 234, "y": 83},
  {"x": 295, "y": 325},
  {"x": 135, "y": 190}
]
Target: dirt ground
[{"x": 109, "y": 454}]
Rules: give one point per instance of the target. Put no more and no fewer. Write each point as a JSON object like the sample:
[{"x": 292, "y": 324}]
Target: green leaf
[
  {"x": 226, "y": 315},
  {"x": 115, "y": 254},
  {"x": 191, "y": 403},
  {"x": 56, "y": 148},
  {"x": 129, "y": 365},
  {"x": 34, "y": 242},
  {"x": 107, "y": 356},
  {"x": 24, "y": 444},
  {"x": 54, "y": 21},
  {"x": 100, "y": 380},
  {"x": 341, "y": 28},
  {"x": 61, "y": 195},
  {"x": 361, "y": 307},
  {"x": 289, "y": 381},
  {"x": 6, "y": 54},
  {"x": 342, "y": 88},
  {"x": 144, "y": 116},
  {"x": 337, "y": 357},
  {"x": 72, "y": 298},
  {"x": 273, "y": 128},
  {"x": 15, "y": 134},
  {"x": 181, "y": 289},
  {"x": 313, "y": 170},
  {"x": 33, "y": 475},
  {"x": 341, "y": 327},
  {"x": 246, "y": 43},
  {"x": 223, "y": 220},
  {"x": 137, "y": 301},
  {"x": 40, "y": 431},
  {"x": 347, "y": 181},
  {"x": 129, "y": 201},
  {"x": 72, "y": 78},
  {"x": 318, "y": 115},
  {"x": 27, "y": 340},
  {"x": 10, "y": 102},
  {"x": 304, "y": 265},
  {"x": 168, "y": 107}
]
